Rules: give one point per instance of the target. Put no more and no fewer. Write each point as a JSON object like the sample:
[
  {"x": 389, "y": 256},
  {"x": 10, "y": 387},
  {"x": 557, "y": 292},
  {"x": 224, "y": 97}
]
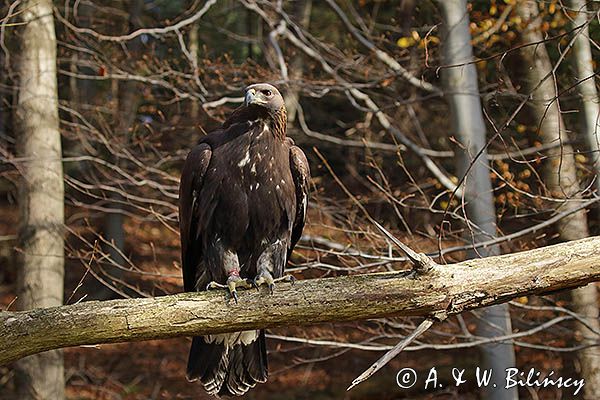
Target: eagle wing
[
  {"x": 192, "y": 178},
  {"x": 301, "y": 176}
]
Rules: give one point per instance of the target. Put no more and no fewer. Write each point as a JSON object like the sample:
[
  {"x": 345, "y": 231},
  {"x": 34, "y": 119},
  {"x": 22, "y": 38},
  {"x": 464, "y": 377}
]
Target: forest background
[{"x": 466, "y": 128}]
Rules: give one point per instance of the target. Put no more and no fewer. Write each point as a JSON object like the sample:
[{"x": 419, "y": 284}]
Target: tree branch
[{"x": 445, "y": 289}]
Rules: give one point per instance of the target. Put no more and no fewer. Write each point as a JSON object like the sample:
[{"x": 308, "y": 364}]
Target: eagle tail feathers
[{"x": 228, "y": 364}]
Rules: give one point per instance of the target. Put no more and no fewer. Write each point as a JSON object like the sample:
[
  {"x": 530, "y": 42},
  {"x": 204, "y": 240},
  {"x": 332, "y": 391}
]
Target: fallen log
[{"x": 432, "y": 292}]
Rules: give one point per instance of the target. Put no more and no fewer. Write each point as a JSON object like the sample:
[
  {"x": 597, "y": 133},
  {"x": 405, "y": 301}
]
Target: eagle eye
[{"x": 267, "y": 92}]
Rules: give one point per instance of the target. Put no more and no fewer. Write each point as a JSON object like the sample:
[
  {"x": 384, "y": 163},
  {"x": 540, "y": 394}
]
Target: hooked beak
[{"x": 251, "y": 98}]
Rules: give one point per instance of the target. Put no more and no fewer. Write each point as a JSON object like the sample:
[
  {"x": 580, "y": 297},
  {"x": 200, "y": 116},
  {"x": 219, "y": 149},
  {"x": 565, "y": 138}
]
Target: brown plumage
[{"x": 243, "y": 198}]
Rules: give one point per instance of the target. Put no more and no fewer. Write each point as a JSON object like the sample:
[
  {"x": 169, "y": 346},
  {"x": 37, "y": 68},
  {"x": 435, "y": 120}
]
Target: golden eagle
[{"x": 242, "y": 206}]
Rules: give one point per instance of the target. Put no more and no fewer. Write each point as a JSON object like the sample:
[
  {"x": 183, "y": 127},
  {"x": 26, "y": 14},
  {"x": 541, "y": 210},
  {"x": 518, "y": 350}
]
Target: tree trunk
[
  {"x": 462, "y": 92},
  {"x": 194, "y": 44},
  {"x": 560, "y": 178},
  {"x": 41, "y": 193},
  {"x": 584, "y": 67},
  {"x": 128, "y": 97},
  {"x": 302, "y": 10},
  {"x": 586, "y": 299}
]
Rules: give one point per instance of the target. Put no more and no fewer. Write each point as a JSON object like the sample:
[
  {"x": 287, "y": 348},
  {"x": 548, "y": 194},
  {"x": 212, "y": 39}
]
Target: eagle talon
[
  {"x": 233, "y": 294},
  {"x": 215, "y": 285},
  {"x": 263, "y": 277},
  {"x": 287, "y": 278},
  {"x": 233, "y": 282}
]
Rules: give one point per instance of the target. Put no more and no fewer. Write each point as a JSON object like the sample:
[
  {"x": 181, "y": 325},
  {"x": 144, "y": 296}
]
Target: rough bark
[
  {"x": 41, "y": 193},
  {"x": 446, "y": 289},
  {"x": 560, "y": 178},
  {"x": 462, "y": 93}
]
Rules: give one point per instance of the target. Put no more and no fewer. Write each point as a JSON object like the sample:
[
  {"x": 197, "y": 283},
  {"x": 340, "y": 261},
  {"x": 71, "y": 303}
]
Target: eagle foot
[
  {"x": 233, "y": 282},
  {"x": 265, "y": 277}
]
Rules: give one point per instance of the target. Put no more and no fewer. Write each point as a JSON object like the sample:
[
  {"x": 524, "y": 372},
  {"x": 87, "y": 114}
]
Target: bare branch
[
  {"x": 143, "y": 31},
  {"x": 387, "y": 357}
]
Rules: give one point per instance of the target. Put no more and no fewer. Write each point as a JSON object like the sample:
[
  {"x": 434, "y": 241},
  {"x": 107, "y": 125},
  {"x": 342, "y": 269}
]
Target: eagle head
[{"x": 264, "y": 95}]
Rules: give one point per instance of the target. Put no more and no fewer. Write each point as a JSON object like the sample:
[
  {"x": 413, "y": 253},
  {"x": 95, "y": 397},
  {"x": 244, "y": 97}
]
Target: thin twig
[{"x": 387, "y": 357}]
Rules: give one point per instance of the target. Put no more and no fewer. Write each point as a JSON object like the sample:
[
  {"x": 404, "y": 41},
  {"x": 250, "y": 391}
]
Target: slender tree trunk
[
  {"x": 302, "y": 10},
  {"x": 128, "y": 98},
  {"x": 461, "y": 90},
  {"x": 194, "y": 46},
  {"x": 585, "y": 300},
  {"x": 6, "y": 99},
  {"x": 560, "y": 178},
  {"x": 41, "y": 193},
  {"x": 584, "y": 67}
]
